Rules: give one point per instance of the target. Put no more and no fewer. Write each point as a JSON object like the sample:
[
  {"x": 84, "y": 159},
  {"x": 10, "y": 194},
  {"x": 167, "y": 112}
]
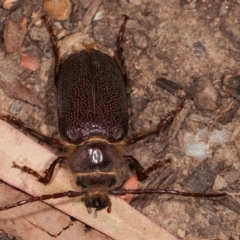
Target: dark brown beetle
[{"x": 93, "y": 123}]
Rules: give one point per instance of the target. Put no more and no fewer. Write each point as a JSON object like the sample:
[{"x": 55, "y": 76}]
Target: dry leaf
[{"x": 123, "y": 222}]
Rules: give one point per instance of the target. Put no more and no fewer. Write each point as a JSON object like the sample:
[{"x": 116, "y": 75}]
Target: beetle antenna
[
  {"x": 69, "y": 194},
  {"x": 123, "y": 191}
]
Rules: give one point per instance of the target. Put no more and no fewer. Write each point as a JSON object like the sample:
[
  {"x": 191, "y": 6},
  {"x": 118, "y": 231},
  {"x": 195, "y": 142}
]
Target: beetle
[{"x": 93, "y": 124}]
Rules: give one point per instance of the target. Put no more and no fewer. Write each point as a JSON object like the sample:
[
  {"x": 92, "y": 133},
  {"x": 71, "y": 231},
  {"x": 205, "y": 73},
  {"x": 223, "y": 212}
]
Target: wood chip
[{"x": 92, "y": 10}]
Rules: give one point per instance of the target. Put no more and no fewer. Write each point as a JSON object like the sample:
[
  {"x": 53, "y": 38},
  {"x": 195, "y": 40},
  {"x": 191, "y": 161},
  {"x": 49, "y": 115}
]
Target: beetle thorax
[{"x": 98, "y": 166}]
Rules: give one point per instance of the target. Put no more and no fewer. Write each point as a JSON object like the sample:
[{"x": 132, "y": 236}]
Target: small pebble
[
  {"x": 43, "y": 129},
  {"x": 10, "y": 4},
  {"x": 16, "y": 107},
  {"x": 58, "y": 9},
  {"x": 14, "y": 34},
  {"x": 104, "y": 35},
  {"x": 140, "y": 40},
  {"x": 181, "y": 233},
  {"x": 30, "y": 62},
  {"x": 199, "y": 49},
  {"x": 39, "y": 34},
  {"x": 207, "y": 97},
  {"x": 224, "y": 9},
  {"x": 219, "y": 183}
]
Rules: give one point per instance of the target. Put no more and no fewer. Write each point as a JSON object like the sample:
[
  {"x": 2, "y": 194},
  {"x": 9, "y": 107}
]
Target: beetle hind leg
[
  {"x": 20, "y": 124},
  {"x": 160, "y": 127}
]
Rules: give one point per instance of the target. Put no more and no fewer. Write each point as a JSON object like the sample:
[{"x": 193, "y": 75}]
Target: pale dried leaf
[{"x": 123, "y": 222}]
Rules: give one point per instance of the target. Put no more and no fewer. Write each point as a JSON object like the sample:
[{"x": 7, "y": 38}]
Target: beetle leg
[
  {"x": 142, "y": 173},
  {"x": 120, "y": 37},
  {"x": 155, "y": 166},
  {"x": 54, "y": 42},
  {"x": 119, "y": 52},
  {"x": 161, "y": 126},
  {"x": 48, "y": 172},
  {"x": 19, "y": 123},
  {"x": 134, "y": 164}
]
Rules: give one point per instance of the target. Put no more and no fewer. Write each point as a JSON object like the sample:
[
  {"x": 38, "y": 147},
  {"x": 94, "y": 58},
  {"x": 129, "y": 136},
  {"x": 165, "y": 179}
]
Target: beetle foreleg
[
  {"x": 48, "y": 172},
  {"x": 119, "y": 53},
  {"x": 120, "y": 38},
  {"x": 54, "y": 42}
]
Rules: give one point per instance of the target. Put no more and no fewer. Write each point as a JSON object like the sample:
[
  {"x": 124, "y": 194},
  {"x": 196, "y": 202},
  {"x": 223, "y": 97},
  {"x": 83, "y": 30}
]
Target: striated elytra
[{"x": 91, "y": 98}]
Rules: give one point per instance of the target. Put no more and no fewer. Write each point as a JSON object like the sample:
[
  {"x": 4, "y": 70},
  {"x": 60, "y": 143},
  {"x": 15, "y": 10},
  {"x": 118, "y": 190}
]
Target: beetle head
[{"x": 98, "y": 201}]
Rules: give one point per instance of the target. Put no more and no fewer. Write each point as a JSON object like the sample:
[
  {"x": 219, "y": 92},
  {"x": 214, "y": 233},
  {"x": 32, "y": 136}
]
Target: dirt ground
[{"x": 195, "y": 44}]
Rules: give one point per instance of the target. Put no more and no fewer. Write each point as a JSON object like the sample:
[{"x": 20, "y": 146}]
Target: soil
[{"x": 194, "y": 44}]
